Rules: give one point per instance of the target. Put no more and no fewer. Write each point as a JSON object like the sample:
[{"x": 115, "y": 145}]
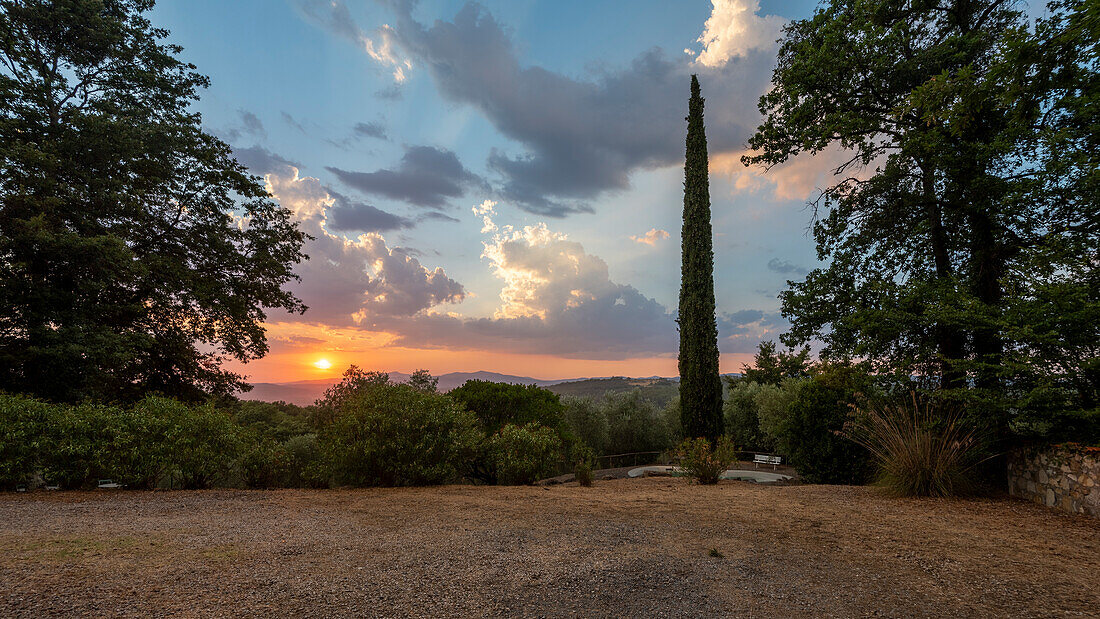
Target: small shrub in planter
[
  {"x": 704, "y": 463},
  {"x": 524, "y": 454}
]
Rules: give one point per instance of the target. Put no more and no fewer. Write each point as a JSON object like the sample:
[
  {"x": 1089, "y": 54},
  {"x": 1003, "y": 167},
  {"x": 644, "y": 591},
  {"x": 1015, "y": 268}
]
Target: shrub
[
  {"x": 703, "y": 463},
  {"x": 394, "y": 435},
  {"x": 263, "y": 464},
  {"x": 586, "y": 421},
  {"x": 524, "y": 454},
  {"x": 498, "y": 404},
  {"x": 808, "y": 434},
  {"x": 201, "y": 442},
  {"x": 584, "y": 460},
  {"x": 72, "y": 446},
  {"x": 305, "y": 462},
  {"x": 634, "y": 424},
  {"x": 26, "y": 427},
  {"x": 742, "y": 413},
  {"x": 920, "y": 450}
]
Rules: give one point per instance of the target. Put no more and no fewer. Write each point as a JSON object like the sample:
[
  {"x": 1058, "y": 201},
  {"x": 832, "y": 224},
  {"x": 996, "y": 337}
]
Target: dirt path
[{"x": 622, "y": 548}]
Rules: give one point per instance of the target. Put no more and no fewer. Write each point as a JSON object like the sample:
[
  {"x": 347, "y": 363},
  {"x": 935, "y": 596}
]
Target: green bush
[
  {"x": 634, "y": 424},
  {"x": 808, "y": 434},
  {"x": 587, "y": 422},
  {"x": 585, "y": 461},
  {"x": 742, "y": 413},
  {"x": 264, "y": 464},
  {"x": 305, "y": 463},
  {"x": 496, "y": 405},
  {"x": 524, "y": 454},
  {"x": 26, "y": 438},
  {"x": 154, "y": 440},
  {"x": 388, "y": 434},
  {"x": 704, "y": 463}
]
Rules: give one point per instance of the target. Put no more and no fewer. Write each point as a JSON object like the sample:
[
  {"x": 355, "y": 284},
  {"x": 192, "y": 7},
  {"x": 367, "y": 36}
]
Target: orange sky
[{"x": 297, "y": 347}]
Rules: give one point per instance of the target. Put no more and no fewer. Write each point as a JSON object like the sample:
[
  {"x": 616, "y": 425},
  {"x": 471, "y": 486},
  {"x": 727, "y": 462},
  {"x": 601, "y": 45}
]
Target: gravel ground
[{"x": 636, "y": 547}]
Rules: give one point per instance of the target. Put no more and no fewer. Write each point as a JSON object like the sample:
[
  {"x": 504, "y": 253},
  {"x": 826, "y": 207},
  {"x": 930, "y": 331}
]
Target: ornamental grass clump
[
  {"x": 703, "y": 463},
  {"x": 921, "y": 449}
]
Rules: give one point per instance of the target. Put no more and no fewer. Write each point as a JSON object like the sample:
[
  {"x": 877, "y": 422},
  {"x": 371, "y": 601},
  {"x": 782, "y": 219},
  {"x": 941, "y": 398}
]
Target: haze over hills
[{"x": 305, "y": 392}]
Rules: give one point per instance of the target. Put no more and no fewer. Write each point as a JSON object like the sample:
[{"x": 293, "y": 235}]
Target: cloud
[
  {"x": 426, "y": 177},
  {"x": 370, "y": 130},
  {"x": 784, "y": 267},
  {"x": 252, "y": 124},
  {"x": 733, "y": 29},
  {"x": 347, "y": 214},
  {"x": 261, "y": 161},
  {"x": 351, "y": 281},
  {"x": 290, "y": 120},
  {"x": 333, "y": 15},
  {"x": 556, "y": 298},
  {"x": 651, "y": 237},
  {"x": 294, "y": 343},
  {"x": 580, "y": 137}
]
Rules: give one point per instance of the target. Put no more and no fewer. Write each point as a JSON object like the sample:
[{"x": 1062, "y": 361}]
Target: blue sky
[{"x": 384, "y": 124}]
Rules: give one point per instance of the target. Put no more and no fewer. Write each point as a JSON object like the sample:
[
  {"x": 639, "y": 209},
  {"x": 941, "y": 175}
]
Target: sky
[{"x": 498, "y": 186}]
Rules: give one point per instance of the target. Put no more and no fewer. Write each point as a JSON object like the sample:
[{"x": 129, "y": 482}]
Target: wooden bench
[{"x": 759, "y": 459}]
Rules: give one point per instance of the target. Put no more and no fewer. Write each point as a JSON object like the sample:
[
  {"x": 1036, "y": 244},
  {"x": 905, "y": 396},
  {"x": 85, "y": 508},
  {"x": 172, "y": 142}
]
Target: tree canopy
[
  {"x": 136, "y": 254},
  {"x": 960, "y": 236}
]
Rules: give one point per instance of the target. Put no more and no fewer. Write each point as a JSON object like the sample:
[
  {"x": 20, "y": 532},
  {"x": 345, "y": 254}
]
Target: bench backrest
[{"x": 762, "y": 459}]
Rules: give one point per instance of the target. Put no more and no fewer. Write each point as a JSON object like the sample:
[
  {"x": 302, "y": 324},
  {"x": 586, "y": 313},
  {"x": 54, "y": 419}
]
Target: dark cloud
[
  {"x": 391, "y": 93},
  {"x": 252, "y": 124},
  {"x": 346, "y": 214},
  {"x": 290, "y": 120},
  {"x": 370, "y": 130},
  {"x": 582, "y": 137},
  {"x": 262, "y": 161},
  {"x": 426, "y": 176},
  {"x": 784, "y": 267},
  {"x": 437, "y": 216}
]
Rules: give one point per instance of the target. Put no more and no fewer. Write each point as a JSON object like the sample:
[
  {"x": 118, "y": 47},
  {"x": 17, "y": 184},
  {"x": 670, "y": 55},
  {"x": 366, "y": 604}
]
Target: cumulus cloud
[
  {"x": 426, "y": 176},
  {"x": 354, "y": 281},
  {"x": 733, "y": 29},
  {"x": 556, "y": 298},
  {"x": 333, "y": 15},
  {"x": 581, "y": 137},
  {"x": 651, "y": 237}
]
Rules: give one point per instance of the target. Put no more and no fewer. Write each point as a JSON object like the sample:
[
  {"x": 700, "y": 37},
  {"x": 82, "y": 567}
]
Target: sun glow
[{"x": 322, "y": 364}]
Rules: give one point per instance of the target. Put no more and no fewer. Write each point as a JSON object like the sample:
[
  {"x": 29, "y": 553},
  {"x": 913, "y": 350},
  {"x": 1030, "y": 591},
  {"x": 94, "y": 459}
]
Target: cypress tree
[{"x": 700, "y": 385}]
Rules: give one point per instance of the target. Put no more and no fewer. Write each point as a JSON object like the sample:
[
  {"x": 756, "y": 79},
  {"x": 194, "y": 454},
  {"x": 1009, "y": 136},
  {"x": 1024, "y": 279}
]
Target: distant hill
[
  {"x": 305, "y": 392},
  {"x": 659, "y": 390}
]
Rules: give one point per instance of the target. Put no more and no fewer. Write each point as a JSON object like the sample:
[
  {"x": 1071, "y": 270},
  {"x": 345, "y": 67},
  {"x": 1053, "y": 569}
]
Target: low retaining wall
[{"x": 1065, "y": 477}]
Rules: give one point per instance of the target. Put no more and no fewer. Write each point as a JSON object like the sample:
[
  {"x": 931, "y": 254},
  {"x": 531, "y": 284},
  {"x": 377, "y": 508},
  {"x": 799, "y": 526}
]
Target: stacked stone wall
[{"x": 1065, "y": 477}]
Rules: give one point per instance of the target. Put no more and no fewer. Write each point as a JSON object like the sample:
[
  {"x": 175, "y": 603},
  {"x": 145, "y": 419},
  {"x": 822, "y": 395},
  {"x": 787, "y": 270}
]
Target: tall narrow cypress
[{"x": 700, "y": 385}]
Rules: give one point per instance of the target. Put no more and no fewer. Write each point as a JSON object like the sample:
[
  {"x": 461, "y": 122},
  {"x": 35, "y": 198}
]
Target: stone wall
[{"x": 1065, "y": 477}]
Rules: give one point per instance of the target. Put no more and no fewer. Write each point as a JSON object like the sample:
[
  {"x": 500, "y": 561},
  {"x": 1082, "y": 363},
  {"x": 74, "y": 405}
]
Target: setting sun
[{"x": 322, "y": 364}]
